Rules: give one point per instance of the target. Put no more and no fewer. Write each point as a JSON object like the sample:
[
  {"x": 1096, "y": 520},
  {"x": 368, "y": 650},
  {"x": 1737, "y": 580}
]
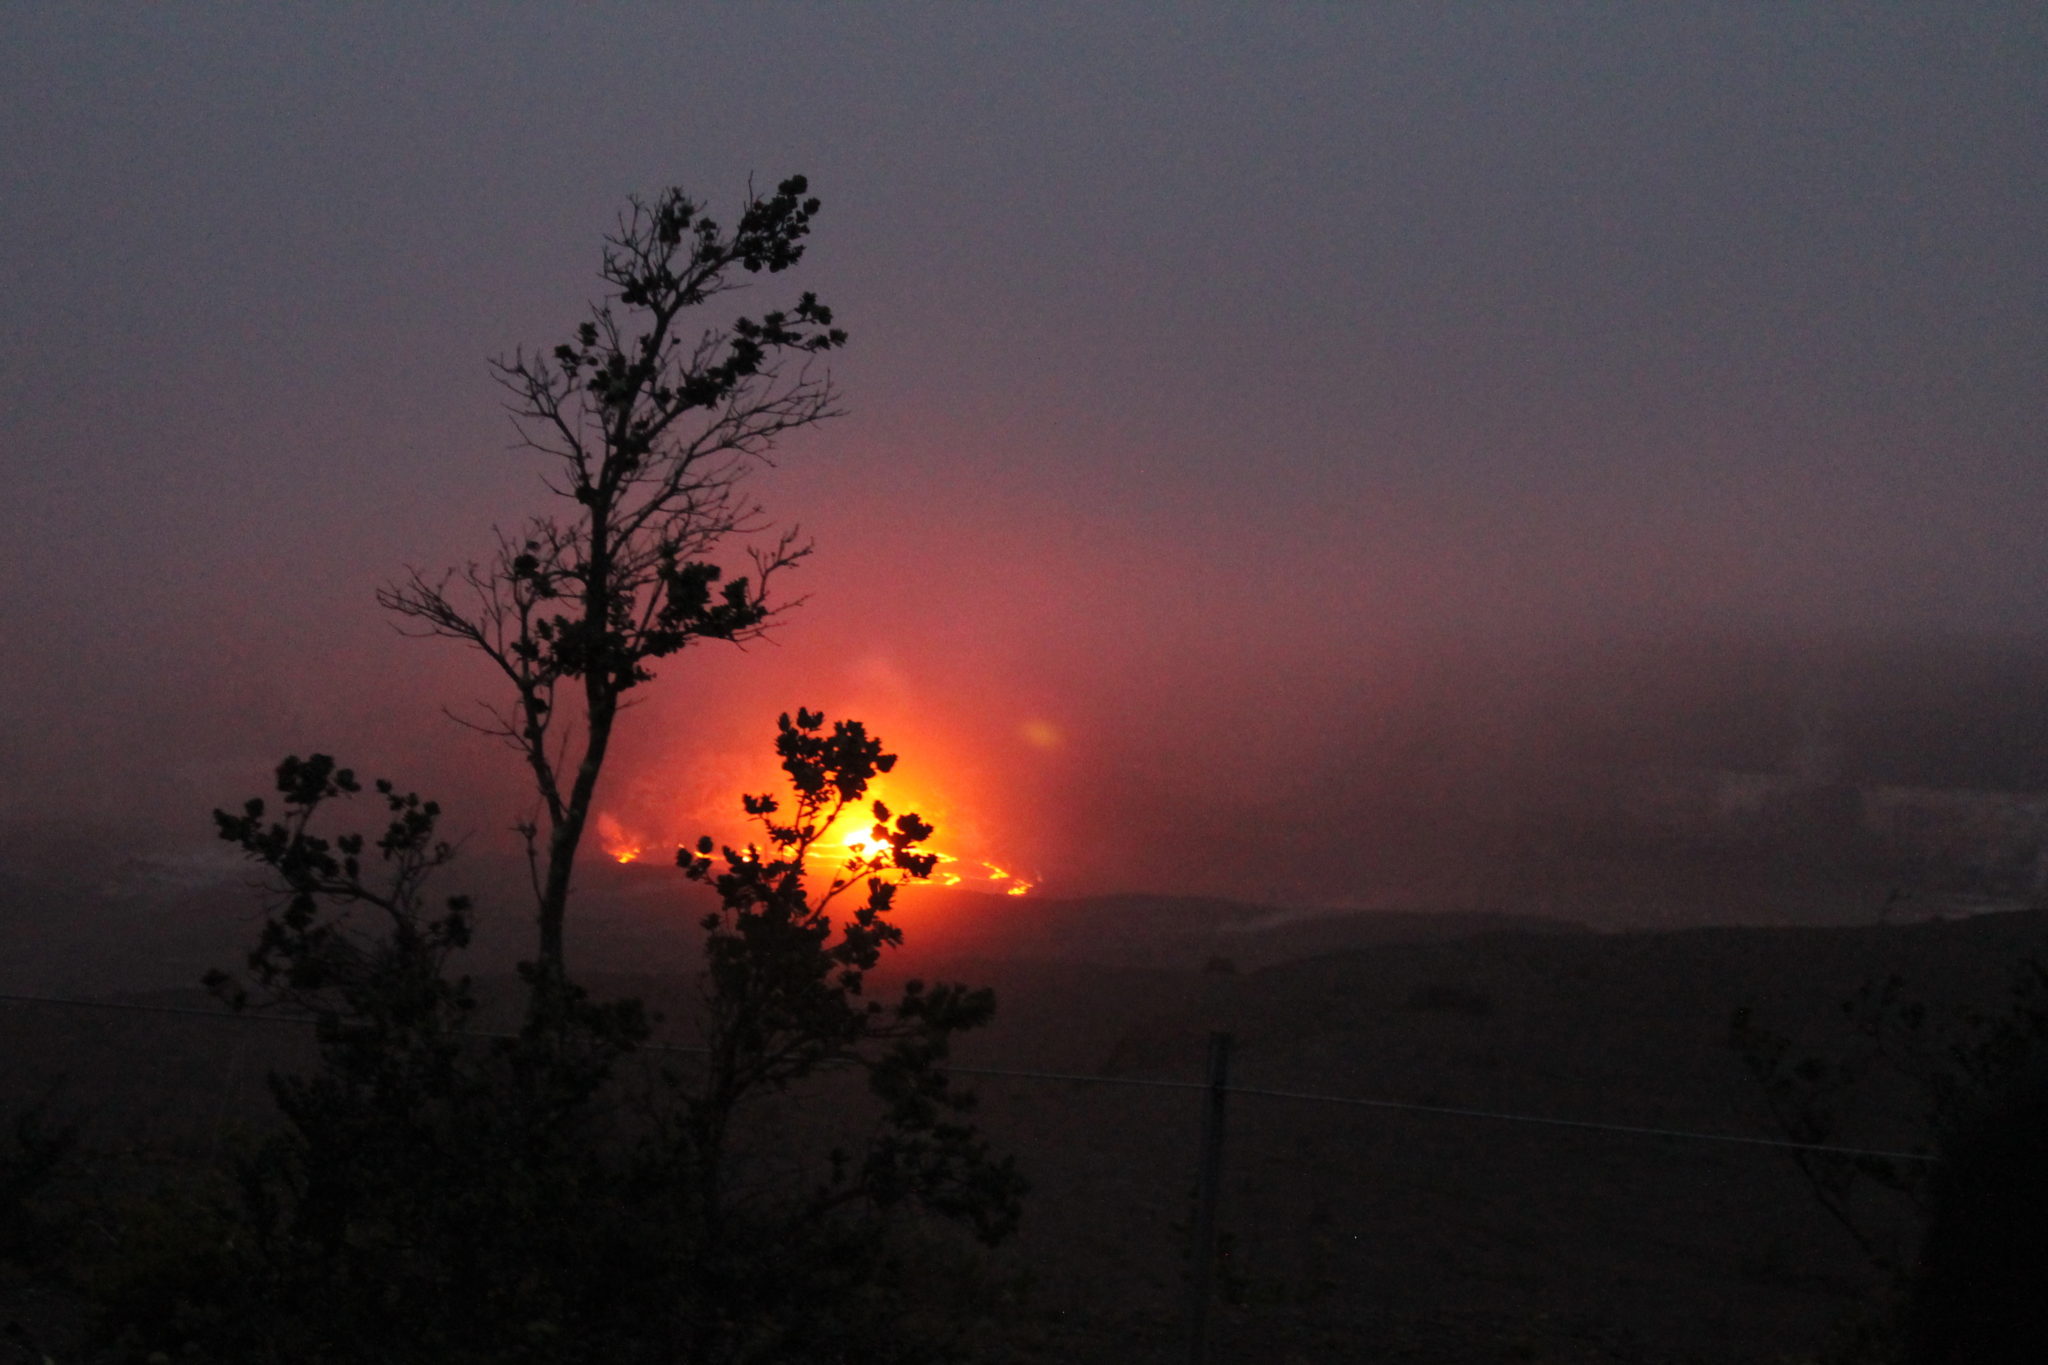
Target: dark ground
[{"x": 1352, "y": 1233}]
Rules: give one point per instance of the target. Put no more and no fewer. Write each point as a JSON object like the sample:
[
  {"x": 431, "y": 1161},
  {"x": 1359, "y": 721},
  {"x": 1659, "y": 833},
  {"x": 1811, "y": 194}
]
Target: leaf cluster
[
  {"x": 649, "y": 423},
  {"x": 1951, "y": 1066},
  {"x": 311, "y": 952},
  {"x": 788, "y": 999},
  {"x": 649, "y": 427},
  {"x": 439, "y": 1193}
]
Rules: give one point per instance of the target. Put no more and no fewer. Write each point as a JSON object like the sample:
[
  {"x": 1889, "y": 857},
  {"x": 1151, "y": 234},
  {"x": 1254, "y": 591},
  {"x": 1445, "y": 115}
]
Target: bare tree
[{"x": 649, "y": 426}]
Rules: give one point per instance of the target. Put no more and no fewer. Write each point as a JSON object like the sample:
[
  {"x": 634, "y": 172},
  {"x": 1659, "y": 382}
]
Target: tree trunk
[{"x": 564, "y": 840}]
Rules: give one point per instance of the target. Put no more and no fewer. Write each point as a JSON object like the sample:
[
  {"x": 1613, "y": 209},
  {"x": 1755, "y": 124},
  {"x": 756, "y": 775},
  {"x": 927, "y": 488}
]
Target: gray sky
[{"x": 1220, "y": 375}]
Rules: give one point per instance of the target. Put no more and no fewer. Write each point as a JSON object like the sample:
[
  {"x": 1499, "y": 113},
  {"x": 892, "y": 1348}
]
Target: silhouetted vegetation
[
  {"x": 564, "y": 1192},
  {"x": 787, "y": 996},
  {"x": 440, "y": 1194},
  {"x": 1976, "y": 1294},
  {"x": 1962, "y": 1237},
  {"x": 649, "y": 423}
]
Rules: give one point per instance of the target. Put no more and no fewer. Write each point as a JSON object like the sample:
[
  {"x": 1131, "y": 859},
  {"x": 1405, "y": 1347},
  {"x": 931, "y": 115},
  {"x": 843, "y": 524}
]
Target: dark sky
[{"x": 1241, "y": 397}]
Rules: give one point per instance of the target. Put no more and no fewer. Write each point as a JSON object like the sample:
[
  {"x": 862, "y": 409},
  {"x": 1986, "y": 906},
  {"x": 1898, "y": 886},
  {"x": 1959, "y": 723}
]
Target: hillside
[{"x": 1353, "y": 1232}]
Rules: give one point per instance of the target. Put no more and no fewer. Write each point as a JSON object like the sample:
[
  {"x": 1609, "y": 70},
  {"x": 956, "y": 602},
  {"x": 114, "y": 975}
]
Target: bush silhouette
[
  {"x": 437, "y": 1194},
  {"x": 564, "y": 1193},
  {"x": 1977, "y": 1289}
]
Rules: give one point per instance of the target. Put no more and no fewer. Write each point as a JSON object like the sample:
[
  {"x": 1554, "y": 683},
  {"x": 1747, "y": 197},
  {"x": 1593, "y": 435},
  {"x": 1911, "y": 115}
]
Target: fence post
[{"x": 1208, "y": 1181}]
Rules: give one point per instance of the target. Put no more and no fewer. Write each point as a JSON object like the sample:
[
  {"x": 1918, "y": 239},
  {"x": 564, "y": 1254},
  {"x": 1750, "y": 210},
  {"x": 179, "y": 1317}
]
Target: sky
[{"x": 1257, "y": 415}]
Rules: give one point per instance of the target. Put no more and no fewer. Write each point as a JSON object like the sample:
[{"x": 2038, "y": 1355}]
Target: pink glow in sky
[{"x": 1258, "y": 416}]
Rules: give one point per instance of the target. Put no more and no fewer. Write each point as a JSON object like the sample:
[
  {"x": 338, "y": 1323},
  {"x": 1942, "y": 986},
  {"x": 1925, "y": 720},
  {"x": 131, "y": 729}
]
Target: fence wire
[
  {"x": 1339, "y": 1233},
  {"x": 1089, "y": 1078}
]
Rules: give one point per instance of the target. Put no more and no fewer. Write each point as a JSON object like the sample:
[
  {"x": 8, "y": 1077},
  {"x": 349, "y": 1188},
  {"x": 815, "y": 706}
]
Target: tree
[
  {"x": 1943, "y": 1068},
  {"x": 650, "y": 428},
  {"x": 1954, "y": 1229},
  {"x": 439, "y": 1195},
  {"x": 786, "y": 995},
  {"x": 425, "y": 1179}
]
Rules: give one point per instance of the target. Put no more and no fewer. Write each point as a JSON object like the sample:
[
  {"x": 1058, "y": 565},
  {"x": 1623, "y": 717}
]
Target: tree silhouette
[
  {"x": 786, "y": 993},
  {"x": 1959, "y": 1239},
  {"x": 440, "y": 1194},
  {"x": 650, "y": 427}
]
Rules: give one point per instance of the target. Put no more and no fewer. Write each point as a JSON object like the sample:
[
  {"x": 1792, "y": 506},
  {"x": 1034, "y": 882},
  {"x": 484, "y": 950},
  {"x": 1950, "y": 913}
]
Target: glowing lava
[
  {"x": 613, "y": 839},
  {"x": 956, "y": 844},
  {"x": 852, "y": 836}
]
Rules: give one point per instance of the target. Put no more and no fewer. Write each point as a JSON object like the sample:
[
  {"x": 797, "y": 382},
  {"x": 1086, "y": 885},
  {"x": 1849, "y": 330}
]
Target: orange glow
[
  {"x": 613, "y": 839},
  {"x": 961, "y": 843},
  {"x": 1042, "y": 734},
  {"x": 1017, "y": 887},
  {"x": 852, "y": 836}
]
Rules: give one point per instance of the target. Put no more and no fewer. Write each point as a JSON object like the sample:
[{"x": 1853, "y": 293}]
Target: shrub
[{"x": 433, "y": 1194}]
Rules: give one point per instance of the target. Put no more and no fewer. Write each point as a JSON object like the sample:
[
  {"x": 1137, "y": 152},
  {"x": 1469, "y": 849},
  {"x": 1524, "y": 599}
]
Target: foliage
[
  {"x": 649, "y": 426},
  {"x": 1947, "y": 1234},
  {"x": 366, "y": 988},
  {"x": 439, "y": 1193},
  {"x": 1949, "y": 1066},
  {"x": 1976, "y": 1291},
  {"x": 787, "y": 995},
  {"x": 422, "y": 1168}
]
